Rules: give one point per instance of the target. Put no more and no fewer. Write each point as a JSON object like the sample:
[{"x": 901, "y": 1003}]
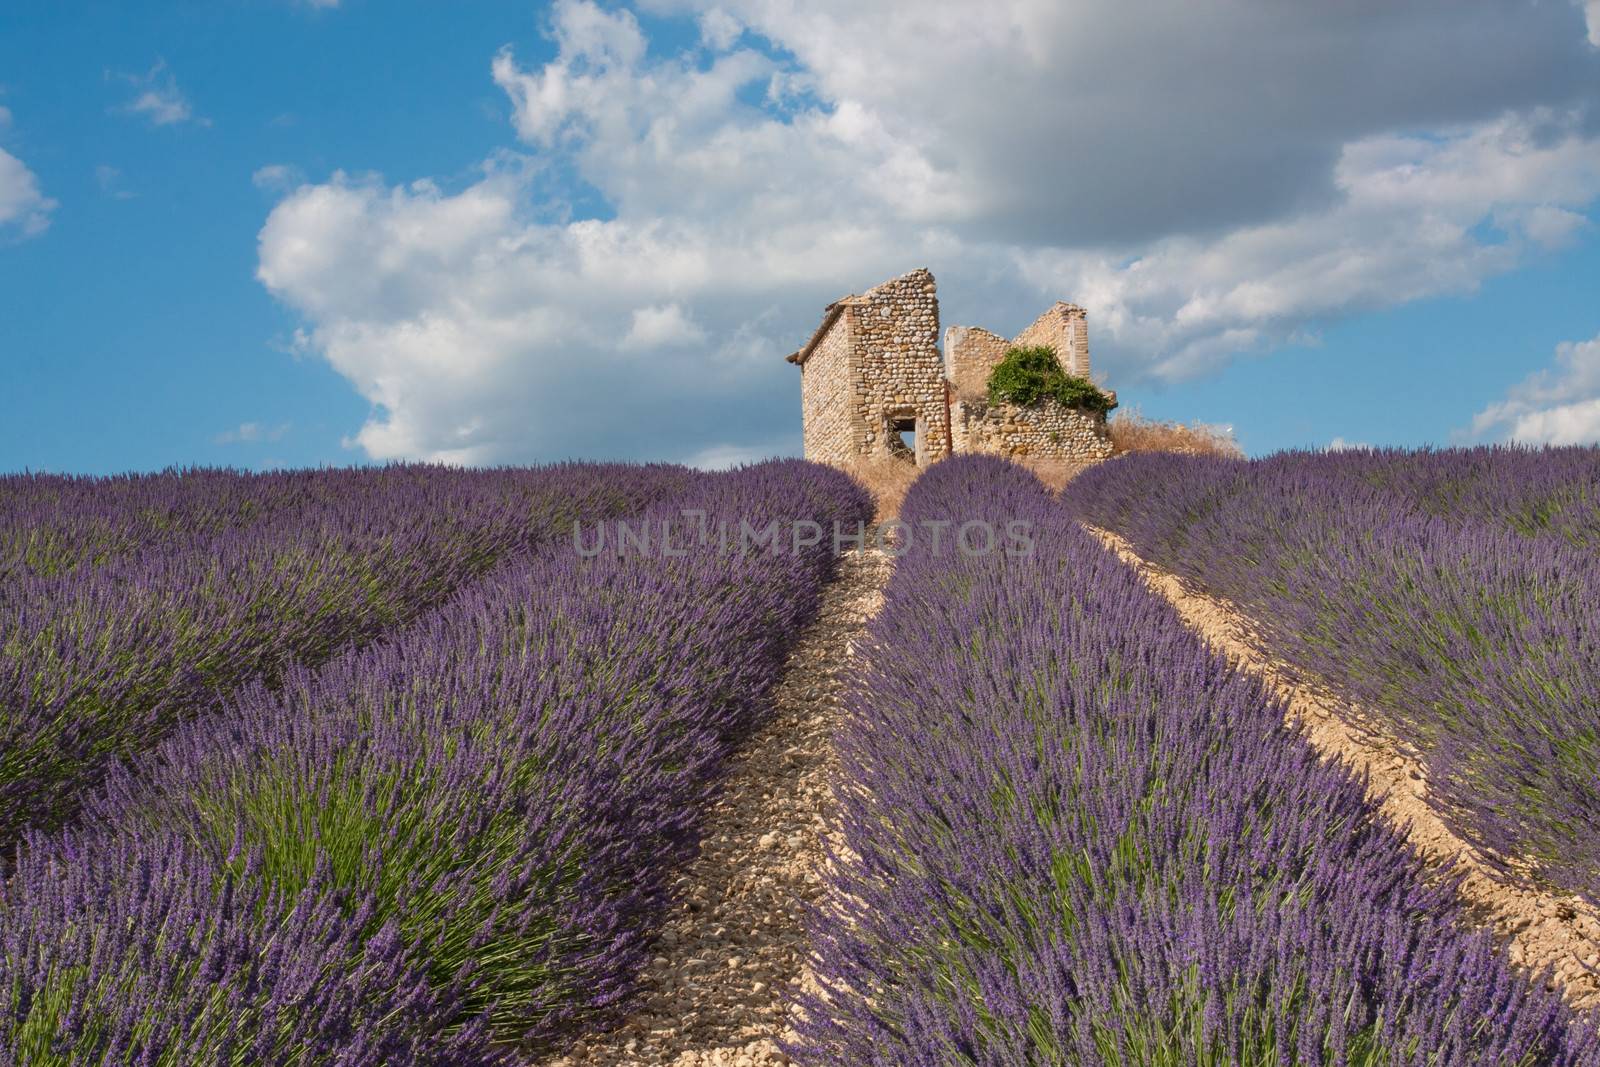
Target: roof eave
[{"x": 830, "y": 315}]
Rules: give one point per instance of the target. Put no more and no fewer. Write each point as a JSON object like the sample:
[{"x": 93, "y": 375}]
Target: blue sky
[{"x": 278, "y": 233}]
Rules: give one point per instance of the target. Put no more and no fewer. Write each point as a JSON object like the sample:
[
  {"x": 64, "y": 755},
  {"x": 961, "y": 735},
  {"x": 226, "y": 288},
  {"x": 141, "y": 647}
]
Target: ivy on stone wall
[{"x": 1031, "y": 373}]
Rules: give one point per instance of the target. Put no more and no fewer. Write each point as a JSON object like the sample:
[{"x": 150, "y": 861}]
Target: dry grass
[
  {"x": 887, "y": 479},
  {"x": 1054, "y": 473},
  {"x": 1132, "y": 432}
]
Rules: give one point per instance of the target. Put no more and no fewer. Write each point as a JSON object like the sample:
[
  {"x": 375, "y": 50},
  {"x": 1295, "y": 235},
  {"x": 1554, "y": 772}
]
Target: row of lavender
[
  {"x": 53, "y": 524},
  {"x": 1538, "y": 492},
  {"x": 143, "y": 602},
  {"x": 1076, "y": 835},
  {"x": 1454, "y": 593},
  {"x": 434, "y": 850}
]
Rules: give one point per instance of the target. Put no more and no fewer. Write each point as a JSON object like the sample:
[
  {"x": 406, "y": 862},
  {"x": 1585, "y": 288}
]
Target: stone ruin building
[{"x": 872, "y": 375}]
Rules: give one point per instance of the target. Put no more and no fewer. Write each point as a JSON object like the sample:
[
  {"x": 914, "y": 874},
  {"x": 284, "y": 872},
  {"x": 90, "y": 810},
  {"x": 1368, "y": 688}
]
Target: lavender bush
[
  {"x": 143, "y": 950},
  {"x": 1082, "y": 837},
  {"x": 1454, "y": 593},
  {"x": 496, "y": 802},
  {"x": 193, "y": 592}
]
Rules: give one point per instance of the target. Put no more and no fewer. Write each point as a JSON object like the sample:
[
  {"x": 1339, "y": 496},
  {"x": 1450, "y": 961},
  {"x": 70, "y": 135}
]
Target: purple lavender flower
[
  {"x": 431, "y": 848},
  {"x": 1077, "y": 835},
  {"x": 1455, "y": 593}
]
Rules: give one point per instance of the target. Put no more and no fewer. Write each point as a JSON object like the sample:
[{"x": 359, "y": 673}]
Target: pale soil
[
  {"x": 733, "y": 953},
  {"x": 1542, "y": 928}
]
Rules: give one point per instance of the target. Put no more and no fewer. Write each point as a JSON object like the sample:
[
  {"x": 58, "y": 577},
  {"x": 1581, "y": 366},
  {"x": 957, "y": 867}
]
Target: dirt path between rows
[
  {"x": 1543, "y": 929},
  {"x": 733, "y": 953}
]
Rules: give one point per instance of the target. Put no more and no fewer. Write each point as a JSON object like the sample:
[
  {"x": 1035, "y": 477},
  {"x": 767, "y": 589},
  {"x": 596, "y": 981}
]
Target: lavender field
[
  {"x": 128, "y": 605},
  {"x": 1075, "y": 834},
  {"x": 1454, "y": 593},
  {"x": 382, "y": 767},
  {"x": 365, "y": 773}
]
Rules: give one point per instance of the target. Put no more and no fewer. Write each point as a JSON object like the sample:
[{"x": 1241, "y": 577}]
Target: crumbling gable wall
[
  {"x": 1065, "y": 328},
  {"x": 895, "y": 340},
  {"x": 874, "y": 365}
]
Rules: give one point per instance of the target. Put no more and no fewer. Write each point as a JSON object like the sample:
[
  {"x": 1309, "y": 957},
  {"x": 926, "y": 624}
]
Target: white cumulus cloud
[
  {"x": 726, "y": 456},
  {"x": 1406, "y": 223},
  {"x": 719, "y": 30},
  {"x": 1559, "y": 405},
  {"x": 24, "y": 209},
  {"x": 480, "y": 334},
  {"x": 1026, "y": 151}
]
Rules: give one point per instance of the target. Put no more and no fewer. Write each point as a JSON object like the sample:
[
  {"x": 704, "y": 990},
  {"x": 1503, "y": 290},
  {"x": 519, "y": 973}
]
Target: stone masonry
[
  {"x": 1042, "y": 431},
  {"x": 872, "y": 373},
  {"x": 970, "y": 353}
]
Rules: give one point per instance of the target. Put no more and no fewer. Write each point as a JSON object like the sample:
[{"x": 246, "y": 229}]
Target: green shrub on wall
[{"x": 1030, "y": 374}]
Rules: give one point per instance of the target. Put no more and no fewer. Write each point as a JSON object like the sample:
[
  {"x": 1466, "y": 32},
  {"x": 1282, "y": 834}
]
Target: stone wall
[
  {"x": 1065, "y": 328},
  {"x": 894, "y": 332},
  {"x": 828, "y": 415},
  {"x": 1046, "y": 430},
  {"x": 970, "y": 355}
]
